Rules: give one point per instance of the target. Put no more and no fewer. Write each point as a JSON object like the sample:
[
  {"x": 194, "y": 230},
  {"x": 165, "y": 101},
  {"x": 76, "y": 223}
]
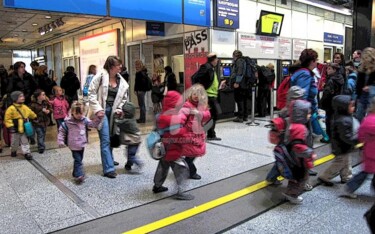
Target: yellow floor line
[{"x": 210, "y": 205}]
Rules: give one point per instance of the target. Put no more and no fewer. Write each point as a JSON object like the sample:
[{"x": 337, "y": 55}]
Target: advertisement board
[
  {"x": 298, "y": 47},
  {"x": 197, "y": 12},
  {"x": 158, "y": 10},
  {"x": 96, "y": 7},
  {"x": 227, "y": 14},
  {"x": 155, "y": 29},
  {"x": 195, "y": 53},
  {"x": 257, "y": 46},
  {"x": 95, "y": 49}
]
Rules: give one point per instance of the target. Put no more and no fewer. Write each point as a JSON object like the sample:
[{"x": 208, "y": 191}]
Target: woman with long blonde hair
[{"x": 365, "y": 82}]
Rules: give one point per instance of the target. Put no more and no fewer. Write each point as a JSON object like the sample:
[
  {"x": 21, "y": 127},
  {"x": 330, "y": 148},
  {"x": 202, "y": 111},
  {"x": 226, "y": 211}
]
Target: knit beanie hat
[{"x": 14, "y": 95}]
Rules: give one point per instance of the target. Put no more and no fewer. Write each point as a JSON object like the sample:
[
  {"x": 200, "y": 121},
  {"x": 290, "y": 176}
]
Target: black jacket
[
  {"x": 206, "y": 75},
  {"x": 27, "y": 85},
  {"x": 343, "y": 137},
  {"x": 4, "y": 81},
  {"x": 361, "y": 82},
  {"x": 170, "y": 81},
  {"x": 332, "y": 88},
  {"x": 70, "y": 84},
  {"x": 45, "y": 83},
  {"x": 238, "y": 71},
  {"x": 141, "y": 81}
]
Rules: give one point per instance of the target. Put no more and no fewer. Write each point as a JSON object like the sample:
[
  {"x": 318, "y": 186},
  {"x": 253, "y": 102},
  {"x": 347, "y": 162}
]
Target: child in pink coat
[
  {"x": 197, "y": 114},
  {"x": 59, "y": 105},
  {"x": 366, "y": 134},
  {"x": 73, "y": 133}
]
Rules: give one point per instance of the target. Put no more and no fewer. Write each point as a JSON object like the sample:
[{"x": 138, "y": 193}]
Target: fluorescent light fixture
[{"x": 328, "y": 7}]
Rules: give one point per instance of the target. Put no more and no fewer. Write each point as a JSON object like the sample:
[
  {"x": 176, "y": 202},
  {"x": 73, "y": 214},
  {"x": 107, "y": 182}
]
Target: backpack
[
  {"x": 267, "y": 75},
  {"x": 155, "y": 146},
  {"x": 250, "y": 72},
  {"x": 285, "y": 161},
  {"x": 282, "y": 93},
  {"x": 65, "y": 127}
]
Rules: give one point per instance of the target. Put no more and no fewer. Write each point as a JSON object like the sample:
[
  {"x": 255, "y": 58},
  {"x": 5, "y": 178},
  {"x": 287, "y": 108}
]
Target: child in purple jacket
[{"x": 73, "y": 133}]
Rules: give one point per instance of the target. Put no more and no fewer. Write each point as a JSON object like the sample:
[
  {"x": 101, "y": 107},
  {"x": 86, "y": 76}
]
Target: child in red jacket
[
  {"x": 171, "y": 122},
  {"x": 197, "y": 114}
]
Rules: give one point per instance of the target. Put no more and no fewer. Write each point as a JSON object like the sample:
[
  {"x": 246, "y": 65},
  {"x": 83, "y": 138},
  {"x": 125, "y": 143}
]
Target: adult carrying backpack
[
  {"x": 250, "y": 71},
  {"x": 266, "y": 75},
  {"x": 155, "y": 146},
  {"x": 282, "y": 93}
]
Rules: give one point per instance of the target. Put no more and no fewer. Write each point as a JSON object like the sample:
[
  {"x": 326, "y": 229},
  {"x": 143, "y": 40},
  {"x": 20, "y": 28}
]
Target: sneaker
[
  {"x": 111, "y": 174},
  {"x": 213, "y": 138},
  {"x": 116, "y": 163},
  {"x": 312, "y": 172},
  {"x": 294, "y": 200},
  {"x": 28, "y": 156},
  {"x": 238, "y": 120},
  {"x": 159, "y": 189},
  {"x": 80, "y": 179},
  {"x": 41, "y": 151},
  {"x": 32, "y": 141},
  {"x": 184, "y": 196},
  {"x": 324, "y": 140},
  {"x": 349, "y": 194},
  {"x": 195, "y": 177},
  {"x": 13, "y": 154},
  {"x": 128, "y": 167},
  {"x": 325, "y": 182},
  {"x": 308, "y": 187}
]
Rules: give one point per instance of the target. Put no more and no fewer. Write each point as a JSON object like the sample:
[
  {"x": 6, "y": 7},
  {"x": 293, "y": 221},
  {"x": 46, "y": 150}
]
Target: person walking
[{"x": 141, "y": 86}]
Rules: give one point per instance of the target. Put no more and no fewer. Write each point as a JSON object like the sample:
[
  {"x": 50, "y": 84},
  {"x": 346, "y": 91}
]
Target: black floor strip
[{"x": 69, "y": 193}]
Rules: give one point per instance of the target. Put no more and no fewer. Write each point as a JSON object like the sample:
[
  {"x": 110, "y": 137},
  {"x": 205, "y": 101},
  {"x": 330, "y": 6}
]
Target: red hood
[{"x": 173, "y": 100}]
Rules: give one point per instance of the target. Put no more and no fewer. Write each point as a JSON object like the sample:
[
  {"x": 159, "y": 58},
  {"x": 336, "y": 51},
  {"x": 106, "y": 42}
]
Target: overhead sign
[
  {"x": 227, "y": 14},
  {"x": 333, "y": 38},
  {"x": 157, "y": 10},
  {"x": 197, "y": 12},
  {"x": 155, "y": 29},
  {"x": 89, "y": 7}
]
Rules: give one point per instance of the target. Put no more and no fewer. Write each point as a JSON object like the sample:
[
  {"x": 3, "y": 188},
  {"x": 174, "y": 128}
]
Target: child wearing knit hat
[{"x": 15, "y": 117}]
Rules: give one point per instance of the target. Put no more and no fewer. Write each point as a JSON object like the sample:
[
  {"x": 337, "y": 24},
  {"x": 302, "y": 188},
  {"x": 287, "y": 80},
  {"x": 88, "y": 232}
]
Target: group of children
[{"x": 291, "y": 132}]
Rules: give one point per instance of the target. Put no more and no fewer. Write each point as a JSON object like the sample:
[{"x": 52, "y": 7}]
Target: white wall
[{"x": 223, "y": 43}]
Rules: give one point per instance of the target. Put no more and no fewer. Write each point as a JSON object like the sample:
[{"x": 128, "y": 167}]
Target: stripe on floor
[{"x": 210, "y": 205}]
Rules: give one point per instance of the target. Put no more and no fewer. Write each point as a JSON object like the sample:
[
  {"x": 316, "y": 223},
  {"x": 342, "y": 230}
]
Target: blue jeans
[
  {"x": 41, "y": 136},
  {"x": 78, "y": 165},
  {"x": 142, "y": 105},
  {"x": 361, "y": 110},
  {"x": 132, "y": 155},
  {"x": 58, "y": 123},
  {"x": 358, "y": 180},
  {"x": 273, "y": 174},
  {"x": 105, "y": 149}
]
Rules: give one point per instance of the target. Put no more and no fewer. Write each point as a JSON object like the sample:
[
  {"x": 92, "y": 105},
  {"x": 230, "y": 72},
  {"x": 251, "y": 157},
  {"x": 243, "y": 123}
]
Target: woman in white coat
[{"x": 108, "y": 92}]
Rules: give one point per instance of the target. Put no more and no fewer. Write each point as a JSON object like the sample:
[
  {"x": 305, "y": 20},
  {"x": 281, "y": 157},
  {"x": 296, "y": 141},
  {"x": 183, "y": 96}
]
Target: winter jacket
[
  {"x": 238, "y": 71},
  {"x": 60, "y": 107},
  {"x": 298, "y": 135},
  {"x": 304, "y": 78},
  {"x": 70, "y": 83},
  {"x": 77, "y": 132},
  {"x": 343, "y": 136},
  {"x": 3, "y": 81},
  {"x": 352, "y": 83},
  {"x": 206, "y": 75},
  {"x": 45, "y": 83},
  {"x": 170, "y": 81},
  {"x": 42, "y": 119},
  {"x": 26, "y": 85},
  {"x": 366, "y": 134},
  {"x": 98, "y": 93},
  {"x": 13, "y": 119},
  {"x": 194, "y": 129},
  {"x": 126, "y": 126},
  {"x": 361, "y": 82},
  {"x": 141, "y": 81},
  {"x": 170, "y": 116},
  {"x": 332, "y": 88}
]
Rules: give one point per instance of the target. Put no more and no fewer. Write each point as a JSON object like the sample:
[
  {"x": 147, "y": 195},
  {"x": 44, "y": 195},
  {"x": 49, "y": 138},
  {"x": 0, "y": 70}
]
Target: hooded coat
[
  {"x": 304, "y": 78},
  {"x": 332, "y": 88},
  {"x": 170, "y": 116},
  {"x": 366, "y": 134},
  {"x": 194, "y": 130},
  {"x": 344, "y": 137}
]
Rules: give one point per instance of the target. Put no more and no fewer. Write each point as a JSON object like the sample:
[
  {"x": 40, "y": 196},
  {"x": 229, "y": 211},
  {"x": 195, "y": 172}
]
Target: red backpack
[{"x": 282, "y": 92}]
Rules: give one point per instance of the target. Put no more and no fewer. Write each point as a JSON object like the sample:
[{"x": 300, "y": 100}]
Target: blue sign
[
  {"x": 158, "y": 10},
  {"x": 89, "y": 7},
  {"x": 197, "y": 12},
  {"x": 227, "y": 14},
  {"x": 155, "y": 29},
  {"x": 333, "y": 38}
]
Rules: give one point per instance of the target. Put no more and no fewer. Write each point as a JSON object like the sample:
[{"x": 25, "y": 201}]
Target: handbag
[{"x": 27, "y": 125}]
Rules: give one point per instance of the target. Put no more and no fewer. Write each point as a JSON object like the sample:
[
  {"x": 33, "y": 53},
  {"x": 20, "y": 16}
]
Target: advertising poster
[
  {"x": 285, "y": 48},
  {"x": 298, "y": 47},
  {"x": 95, "y": 49},
  {"x": 96, "y": 7},
  {"x": 197, "y": 12},
  {"x": 195, "y": 52},
  {"x": 227, "y": 14},
  {"x": 267, "y": 45}
]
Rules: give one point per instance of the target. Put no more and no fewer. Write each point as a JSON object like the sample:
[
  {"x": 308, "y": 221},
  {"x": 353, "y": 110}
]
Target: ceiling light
[
  {"x": 48, "y": 17},
  {"x": 34, "y": 24},
  {"x": 328, "y": 7}
]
